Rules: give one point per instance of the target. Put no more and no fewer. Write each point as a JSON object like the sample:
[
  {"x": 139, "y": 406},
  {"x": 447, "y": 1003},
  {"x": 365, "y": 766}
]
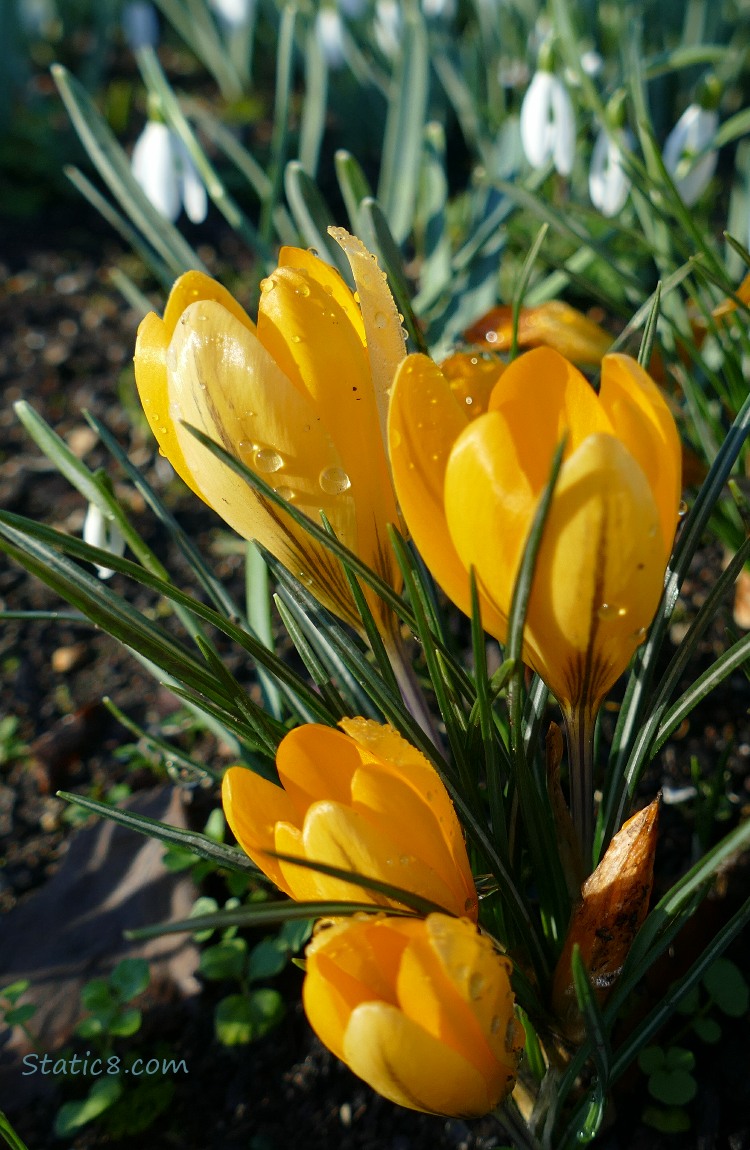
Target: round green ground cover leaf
[
  {"x": 126, "y": 1022},
  {"x": 233, "y": 1021},
  {"x": 73, "y": 1115},
  {"x": 226, "y": 960},
  {"x": 727, "y": 986},
  {"x": 707, "y": 1029},
  {"x": 670, "y": 1121},
  {"x": 130, "y": 978},
  {"x": 267, "y": 959}
]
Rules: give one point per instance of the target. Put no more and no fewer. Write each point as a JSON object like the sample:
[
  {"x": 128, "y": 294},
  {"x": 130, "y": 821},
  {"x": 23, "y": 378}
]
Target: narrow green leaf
[{"x": 407, "y": 110}]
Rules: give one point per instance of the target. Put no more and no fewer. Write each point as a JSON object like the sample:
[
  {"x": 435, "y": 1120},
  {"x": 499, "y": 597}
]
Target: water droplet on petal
[
  {"x": 608, "y": 611},
  {"x": 495, "y": 1024},
  {"x": 286, "y": 493},
  {"x": 267, "y": 284},
  {"x": 268, "y": 460},
  {"x": 682, "y": 510},
  {"x": 296, "y": 338},
  {"x": 302, "y": 290},
  {"x": 313, "y": 251},
  {"x": 640, "y": 634},
  {"x": 334, "y": 480},
  {"x": 380, "y": 319},
  {"x": 476, "y": 985}
]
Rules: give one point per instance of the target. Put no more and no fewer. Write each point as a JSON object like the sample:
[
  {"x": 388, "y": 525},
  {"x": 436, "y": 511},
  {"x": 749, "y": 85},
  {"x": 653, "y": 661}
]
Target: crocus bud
[
  {"x": 688, "y": 157},
  {"x": 421, "y": 1009},
  {"x": 614, "y": 903},
  {"x": 363, "y": 800},
  {"x": 100, "y": 532},
  {"x": 548, "y": 127},
  {"x": 165, "y": 170}
]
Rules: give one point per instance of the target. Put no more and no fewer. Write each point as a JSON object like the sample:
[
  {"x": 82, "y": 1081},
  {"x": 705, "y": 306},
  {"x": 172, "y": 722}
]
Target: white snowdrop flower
[
  {"x": 439, "y": 9},
  {"x": 233, "y": 13},
  {"x": 100, "y": 532},
  {"x": 165, "y": 171},
  {"x": 140, "y": 24},
  {"x": 387, "y": 26},
  {"x": 691, "y": 135},
  {"x": 592, "y": 63},
  {"x": 608, "y": 184},
  {"x": 548, "y": 126},
  {"x": 329, "y": 30}
]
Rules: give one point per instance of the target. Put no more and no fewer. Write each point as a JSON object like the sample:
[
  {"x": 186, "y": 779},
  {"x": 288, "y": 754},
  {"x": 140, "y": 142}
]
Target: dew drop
[
  {"x": 304, "y": 578},
  {"x": 303, "y": 290},
  {"x": 608, "y": 611},
  {"x": 296, "y": 338},
  {"x": 475, "y": 360},
  {"x": 268, "y": 460},
  {"x": 468, "y": 401},
  {"x": 405, "y": 860},
  {"x": 247, "y": 450},
  {"x": 162, "y": 431},
  {"x": 285, "y": 493},
  {"x": 495, "y": 1024},
  {"x": 652, "y": 531},
  {"x": 491, "y": 336},
  {"x": 476, "y": 985},
  {"x": 380, "y": 319},
  {"x": 334, "y": 480},
  {"x": 682, "y": 510},
  {"x": 640, "y": 634},
  {"x": 267, "y": 285},
  {"x": 313, "y": 251}
]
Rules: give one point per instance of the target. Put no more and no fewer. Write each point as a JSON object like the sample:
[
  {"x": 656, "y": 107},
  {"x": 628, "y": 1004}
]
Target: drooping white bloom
[
  {"x": 387, "y": 26},
  {"x": 329, "y": 30},
  {"x": 548, "y": 126},
  {"x": 439, "y": 9},
  {"x": 608, "y": 184},
  {"x": 100, "y": 532},
  {"x": 685, "y": 158},
  {"x": 140, "y": 24},
  {"x": 163, "y": 167},
  {"x": 234, "y": 13}
]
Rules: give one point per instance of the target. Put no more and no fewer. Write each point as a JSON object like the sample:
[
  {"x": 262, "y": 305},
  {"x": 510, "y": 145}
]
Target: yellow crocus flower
[
  {"x": 421, "y": 1009},
  {"x": 362, "y": 799},
  {"x": 469, "y": 487},
  {"x": 553, "y": 324},
  {"x": 301, "y": 398}
]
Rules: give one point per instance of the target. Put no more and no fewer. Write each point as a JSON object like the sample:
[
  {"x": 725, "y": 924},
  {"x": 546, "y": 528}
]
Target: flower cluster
[
  {"x": 320, "y": 400},
  {"x": 421, "y": 1008}
]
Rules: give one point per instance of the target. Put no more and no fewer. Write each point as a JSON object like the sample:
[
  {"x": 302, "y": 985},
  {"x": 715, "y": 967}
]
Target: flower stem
[
  {"x": 513, "y": 1123},
  {"x": 579, "y": 724},
  {"x": 411, "y": 692}
]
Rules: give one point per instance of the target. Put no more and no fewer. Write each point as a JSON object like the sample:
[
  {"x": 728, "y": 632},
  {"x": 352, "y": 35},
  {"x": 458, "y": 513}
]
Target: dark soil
[{"x": 66, "y": 341}]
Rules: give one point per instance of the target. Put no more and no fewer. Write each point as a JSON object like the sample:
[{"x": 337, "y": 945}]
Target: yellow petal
[
  {"x": 152, "y": 343},
  {"x": 396, "y": 759},
  {"x": 313, "y": 340},
  {"x": 489, "y": 504},
  {"x": 389, "y": 802},
  {"x": 300, "y": 882},
  {"x": 543, "y": 397},
  {"x": 405, "y": 1064},
  {"x": 599, "y": 573},
  {"x": 345, "y": 838},
  {"x": 151, "y": 379},
  {"x": 354, "y": 960},
  {"x": 386, "y": 345},
  {"x": 425, "y": 420},
  {"x": 643, "y": 422},
  {"x": 253, "y": 806},
  {"x": 553, "y": 324},
  {"x": 223, "y": 381},
  {"x": 472, "y": 379},
  {"x": 316, "y": 762}
]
